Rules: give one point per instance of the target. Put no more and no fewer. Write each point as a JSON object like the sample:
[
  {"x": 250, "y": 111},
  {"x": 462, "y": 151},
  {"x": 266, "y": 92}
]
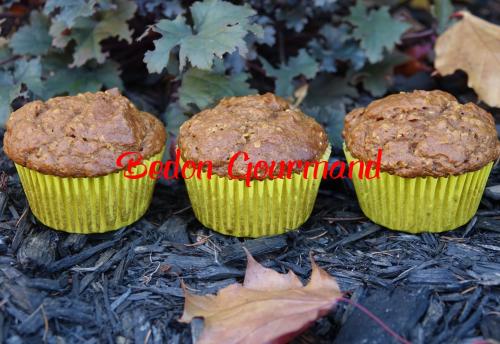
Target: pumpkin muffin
[
  {"x": 268, "y": 129},
  {"x": 66, "y": 150},
  {"x": 436, "y": 158}
]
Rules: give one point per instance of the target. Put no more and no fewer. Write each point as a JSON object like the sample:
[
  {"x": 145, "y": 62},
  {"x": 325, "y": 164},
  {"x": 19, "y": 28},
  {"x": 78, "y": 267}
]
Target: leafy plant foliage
[
  {"x": 302, "y": 64},
  {"x": 376, "y": 30},
  {"x": 219, "y": 27},
  {"x": 203, "y": 88},
  {"x": 184, "y": 56},
  {"x": 59, "y": 50}
]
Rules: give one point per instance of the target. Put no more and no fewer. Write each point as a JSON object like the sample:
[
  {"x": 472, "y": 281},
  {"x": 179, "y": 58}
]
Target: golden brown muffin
[
  {"x": 82, "y": 135},
  {"x": 423, "y": 133},
  {"x": 265, "y": 126}
]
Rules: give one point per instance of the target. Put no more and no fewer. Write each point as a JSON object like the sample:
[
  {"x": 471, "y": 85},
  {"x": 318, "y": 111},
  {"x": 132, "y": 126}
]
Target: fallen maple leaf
[
  {"x": 472, "y": 45},
  {"x": 268, "y": 307}
]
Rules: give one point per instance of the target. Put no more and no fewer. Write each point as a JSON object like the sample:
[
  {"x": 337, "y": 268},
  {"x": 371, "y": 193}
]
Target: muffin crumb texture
[
  {"x": 423, "y": 133},
  {"x": 265, "y": 126},
  {"x": 82, "y": 135}
]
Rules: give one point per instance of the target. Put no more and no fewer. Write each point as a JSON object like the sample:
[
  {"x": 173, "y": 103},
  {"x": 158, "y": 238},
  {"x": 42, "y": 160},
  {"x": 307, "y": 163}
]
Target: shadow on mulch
[{"x": 124, "y": 286}]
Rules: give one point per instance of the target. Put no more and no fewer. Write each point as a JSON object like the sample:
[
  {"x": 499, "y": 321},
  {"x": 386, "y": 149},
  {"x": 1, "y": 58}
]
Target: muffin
[
  {"x": 65, "y": 151},
  {"x": 268, "y": 129},
  {"x": 436, "y": 158}
]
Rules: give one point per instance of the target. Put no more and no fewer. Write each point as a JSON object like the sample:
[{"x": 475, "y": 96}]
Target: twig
[
  {"x": 317, "y": 236},
  {"x": 177, "y": 212},
  {"x": 45, "y": 323},
  {"x": 419, "y": 34},
  {"x": 146, "y": 339},
  {"x": 199, "y": 242},
  {"x": 375, "y": 318},
  {"x": 23, "y": 215},
  {"x": 339, "y": 219},
  {"x": 9, "y": 59},
  {"x": 4, "y": 178}
]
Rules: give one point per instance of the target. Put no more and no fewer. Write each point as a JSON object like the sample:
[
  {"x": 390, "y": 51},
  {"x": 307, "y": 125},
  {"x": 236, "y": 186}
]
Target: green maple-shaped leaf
[
  {"x": 173, "y": 32},
  {"x": 88, "y": 42},
  {"x": 442, "y": 11},
  {"x": 219, "y": 27},
  {"x": 113, "y": 22},
  {"x": 330, "y": 90},
  {"x": 70, "y": 10},
  {"x": 332, "y": 119},
  {"x": 89, "y": 32},
  {"x": 336, "y": 44},
  {"x": 32, "y": 39},
  {"x": 376, "y": 30},
  {"x": 174, "y": 116},
  {"x": 302, "y": 64},
  {"x": 9, "y": 90},
  {"x": 58, "y": 31},
  {"x": 76, "y": 80},
  {"x": 376, "y": 78},
  {"x": 29, "y": 73},
  {"x": 204, "y": 88}
]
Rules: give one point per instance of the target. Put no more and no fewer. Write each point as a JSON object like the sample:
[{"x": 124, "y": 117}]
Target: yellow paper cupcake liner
[
  {"x": 266, "y": 207},
  {"x": 87, "y": 205},
  {"x": 421, "y": 204}
]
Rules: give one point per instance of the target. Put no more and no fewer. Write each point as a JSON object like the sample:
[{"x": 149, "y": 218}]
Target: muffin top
[
  {"x": 82, "y": 135},
  {"x": 423, "y": 133},
  {"x": 265, "y": 126}
]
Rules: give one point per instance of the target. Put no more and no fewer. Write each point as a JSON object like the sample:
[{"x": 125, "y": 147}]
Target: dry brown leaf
[
  {"x": 268, "y": 307},
  {"x": 472, "y": 45}
]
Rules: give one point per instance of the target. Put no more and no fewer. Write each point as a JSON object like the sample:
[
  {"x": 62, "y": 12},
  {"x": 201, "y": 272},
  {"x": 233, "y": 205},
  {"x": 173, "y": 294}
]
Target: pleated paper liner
[
  {"x": 421, "y": 204},
  {"x": 87, "y": 205},
  {"x": 266, "y": 207}
]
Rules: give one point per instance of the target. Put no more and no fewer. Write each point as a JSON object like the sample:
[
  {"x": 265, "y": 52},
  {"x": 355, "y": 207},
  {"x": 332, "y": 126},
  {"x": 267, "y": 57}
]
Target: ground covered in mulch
[{"x": 124, "y": 286}]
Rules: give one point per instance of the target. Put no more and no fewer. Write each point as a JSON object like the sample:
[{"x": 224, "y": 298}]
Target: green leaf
[
  {"x": 5, "y": 52},
  {"x": 302, "y": 64},
  {"x": 59, "y": 33},
  {"x": 442, "y": 11},
  {"x": 4, "y": 42},
  {"x": 88, "y": 43},
  {"x": 376, "y": 78},
  {"x": 173, "y": 32},
  {"x": 174, "y": 116},
  {"x": 376, "y": 30},
  {"x": 29, "y": 73},
  {"x": 26, "y": 72},
  {"x": 295, "y": 17},
  {"x": 219, "y": 27},
  {"x": 70, "y": 10},
  {"x": 54, "y": 61},
  {"x": 329, "y": 90},
  {"x": 336, "y": 45},
  {"x": 169, "y": 9},
  {"x": 90, "y": 32},
  {"x": 32, "y": 39},
  {"x": 203, "y": 88},
  {"x": 113, "y": 22},
  {"x": 9, "y": 90},
  {"x": 332, "y": 119},
  {"x": 321, "y": 3},
  {"x": 76, "y": 80}
]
